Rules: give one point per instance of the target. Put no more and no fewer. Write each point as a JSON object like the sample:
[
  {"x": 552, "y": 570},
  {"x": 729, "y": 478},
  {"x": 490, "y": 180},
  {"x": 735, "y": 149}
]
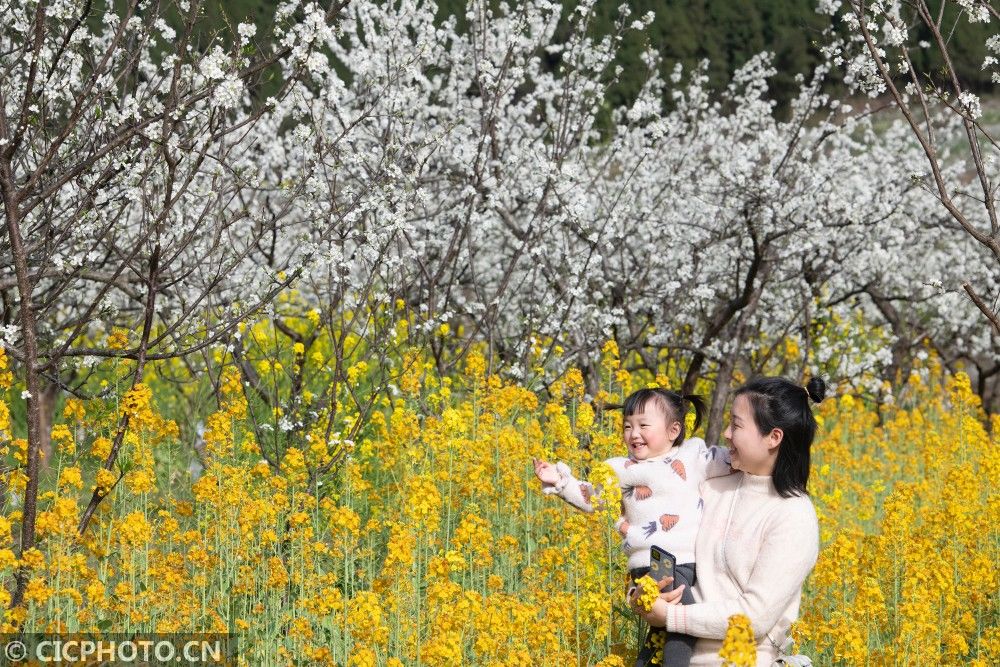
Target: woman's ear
[{"x": 774, "y": 438}]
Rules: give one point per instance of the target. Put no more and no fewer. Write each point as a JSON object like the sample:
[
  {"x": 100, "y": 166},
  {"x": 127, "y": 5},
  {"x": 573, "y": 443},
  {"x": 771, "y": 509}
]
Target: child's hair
[
  {"x": 780, "y": 403},
  {"x": 670, "y": 402}
]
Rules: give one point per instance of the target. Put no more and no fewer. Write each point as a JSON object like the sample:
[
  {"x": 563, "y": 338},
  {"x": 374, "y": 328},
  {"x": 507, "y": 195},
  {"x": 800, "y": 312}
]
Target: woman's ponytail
[{"x": 816, "y": 388}]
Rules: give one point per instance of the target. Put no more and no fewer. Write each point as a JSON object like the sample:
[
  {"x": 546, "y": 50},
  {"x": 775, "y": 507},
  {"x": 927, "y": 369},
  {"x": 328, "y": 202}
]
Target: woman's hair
[
  {"x": 670, "y": 403},
  {"x": 779, "y": 403}
]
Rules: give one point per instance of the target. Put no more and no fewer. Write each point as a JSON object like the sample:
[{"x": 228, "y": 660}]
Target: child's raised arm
[
  {"x": 546, "y": 472},
  {"x": 558, "y": 479}
]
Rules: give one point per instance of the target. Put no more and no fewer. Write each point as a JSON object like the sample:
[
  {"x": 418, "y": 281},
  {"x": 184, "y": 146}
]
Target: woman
[{"x": 759, "y": 537}]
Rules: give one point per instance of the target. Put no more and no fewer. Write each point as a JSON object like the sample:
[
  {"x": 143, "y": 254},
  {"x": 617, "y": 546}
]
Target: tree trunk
[
  {"x": 899, "y": 368},
  {"x": 750, "y": 291},
  {"x": 46, "y": 415},
  {"x": 724, "y": 378},
  {"x": 720, "y": 396},
  {"x": 11, "y": 199}
]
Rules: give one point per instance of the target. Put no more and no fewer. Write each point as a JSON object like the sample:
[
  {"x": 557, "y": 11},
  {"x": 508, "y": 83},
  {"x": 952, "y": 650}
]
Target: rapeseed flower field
[{"x": 424, "y": 538}]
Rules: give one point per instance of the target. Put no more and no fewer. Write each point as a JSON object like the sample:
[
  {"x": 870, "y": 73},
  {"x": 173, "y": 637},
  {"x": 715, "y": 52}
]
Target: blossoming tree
[
  {"x": 126, "y": 173},
  {"x": 151, "y": 186},
  {"x": 939, "y": 109}
]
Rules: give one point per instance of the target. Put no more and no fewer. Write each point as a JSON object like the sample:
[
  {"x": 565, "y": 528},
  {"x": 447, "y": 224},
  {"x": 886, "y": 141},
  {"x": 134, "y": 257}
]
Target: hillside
[{"x": 725, "y": 32}]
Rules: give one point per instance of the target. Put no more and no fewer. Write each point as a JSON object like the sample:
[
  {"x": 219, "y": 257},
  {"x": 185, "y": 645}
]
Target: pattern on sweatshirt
[{"x": 661, "y": 503}]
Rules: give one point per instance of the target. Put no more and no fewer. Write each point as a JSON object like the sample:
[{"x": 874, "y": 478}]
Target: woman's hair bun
[{"x": 816, "y": 388}]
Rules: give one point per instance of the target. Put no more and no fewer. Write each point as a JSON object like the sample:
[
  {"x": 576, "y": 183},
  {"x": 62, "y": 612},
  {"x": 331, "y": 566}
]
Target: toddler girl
[{"x": 661, "y": 504}]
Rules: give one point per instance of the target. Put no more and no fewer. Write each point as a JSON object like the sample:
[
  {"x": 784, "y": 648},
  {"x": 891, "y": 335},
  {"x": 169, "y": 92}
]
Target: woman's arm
[{"x": 785, "y": 559}]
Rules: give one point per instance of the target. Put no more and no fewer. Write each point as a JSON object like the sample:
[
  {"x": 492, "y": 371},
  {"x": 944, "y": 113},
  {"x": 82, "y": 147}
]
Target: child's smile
[{"x": 647, "y": 434}]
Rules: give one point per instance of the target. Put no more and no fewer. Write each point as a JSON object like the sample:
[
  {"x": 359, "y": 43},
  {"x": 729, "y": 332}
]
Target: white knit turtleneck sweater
[{"x": 770, "y": 548}]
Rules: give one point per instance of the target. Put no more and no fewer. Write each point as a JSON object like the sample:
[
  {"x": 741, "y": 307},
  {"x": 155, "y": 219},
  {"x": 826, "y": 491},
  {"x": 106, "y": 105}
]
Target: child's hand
[{"x": 546, "y": 472}]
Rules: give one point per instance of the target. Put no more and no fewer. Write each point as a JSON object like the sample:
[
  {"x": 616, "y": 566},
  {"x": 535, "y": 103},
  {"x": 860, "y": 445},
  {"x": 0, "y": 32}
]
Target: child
[{"x": 660, "y": 481}]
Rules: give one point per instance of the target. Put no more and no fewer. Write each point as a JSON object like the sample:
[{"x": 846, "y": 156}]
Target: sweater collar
[
  {"x": 758, "y": 483},
  {"x": 669, "y": 454}
]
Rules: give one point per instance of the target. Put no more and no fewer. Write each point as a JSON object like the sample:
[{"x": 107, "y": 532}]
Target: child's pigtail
[{"x": 698, "y": 403}]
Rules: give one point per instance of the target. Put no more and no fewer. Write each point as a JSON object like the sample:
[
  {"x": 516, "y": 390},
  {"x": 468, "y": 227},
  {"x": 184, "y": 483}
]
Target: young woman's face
[
  {"x": 647, "y": 434},
  {"x": 751, "y": 451}
]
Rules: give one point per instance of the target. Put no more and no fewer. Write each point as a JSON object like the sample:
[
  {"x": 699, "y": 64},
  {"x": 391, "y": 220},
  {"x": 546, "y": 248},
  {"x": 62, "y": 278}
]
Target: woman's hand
[
  {"x": 546, "y": 472},
  {"x": 657, "y": 615},
  {"x": 674, "y": 596}
]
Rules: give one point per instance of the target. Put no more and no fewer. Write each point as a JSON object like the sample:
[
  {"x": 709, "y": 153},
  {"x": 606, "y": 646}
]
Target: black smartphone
[{"x": 661, "y": 564}]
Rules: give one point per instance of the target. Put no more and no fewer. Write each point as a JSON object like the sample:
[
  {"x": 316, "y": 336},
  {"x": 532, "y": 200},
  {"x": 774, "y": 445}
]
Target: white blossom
[
  {"x": 246, "y": 31},
  {"x": 970, "y": 103}
]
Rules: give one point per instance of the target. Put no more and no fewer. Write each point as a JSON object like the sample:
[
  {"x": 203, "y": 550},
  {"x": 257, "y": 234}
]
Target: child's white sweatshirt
[{"x": 661, "y": 503}]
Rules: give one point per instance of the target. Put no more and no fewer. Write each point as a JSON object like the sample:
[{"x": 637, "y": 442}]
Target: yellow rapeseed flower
[
  {"x": 32, "y": 559},
  {"x": 648, "y": 590},
  {"x": 74, "y": 409},
  {"x": 104, "y": 481},
  {"x": 424, "y": 505},
  {"x": 101, "y": 448},
  {"x": 605, "y": 482},
  {"x": 134, "y": 530},
  {"x": 71, "y": 477},
  {"x": 611, "y": 661},
  {"x": 739, "y": 649},
  {"x": 117, "y": 339},
  {"x": 6, "y": 537},
  {"x": 37, "y": 591}
]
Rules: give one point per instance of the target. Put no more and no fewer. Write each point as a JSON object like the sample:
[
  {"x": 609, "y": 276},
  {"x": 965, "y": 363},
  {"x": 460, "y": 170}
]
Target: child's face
[{"x": 649, "y": 434}]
